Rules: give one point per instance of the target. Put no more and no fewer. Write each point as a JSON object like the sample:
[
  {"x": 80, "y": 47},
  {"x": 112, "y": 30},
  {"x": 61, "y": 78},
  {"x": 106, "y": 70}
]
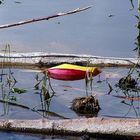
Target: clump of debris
[{"x": 86, "y": 105}]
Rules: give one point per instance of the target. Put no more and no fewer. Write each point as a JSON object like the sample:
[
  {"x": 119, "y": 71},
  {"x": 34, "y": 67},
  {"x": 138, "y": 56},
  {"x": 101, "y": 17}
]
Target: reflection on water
[
  {"x": 127, "y": 89},
  {"x": 138, "y": 39},
  {"x": 90, "y": 32},
  {"x": 14, "y": 136},
  {"x": 7, "y": 81},
  {"x": 138, "y": 6},
  {"x": 10, "y": 93},
  {"x": 39, "y": 100},
  {"x": 130, "y": 87},
  {"x": 107, "y": 30},
  {"x": 46, "y": 97},
  {"x": 44, "y": 89}
]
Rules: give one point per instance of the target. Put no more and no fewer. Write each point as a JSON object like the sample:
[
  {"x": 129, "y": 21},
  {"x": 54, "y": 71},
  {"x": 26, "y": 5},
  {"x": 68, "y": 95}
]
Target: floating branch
[
  {"x": 45, "y": 18},
  {"x": 51, "y": 59},
  {"x": 91, "y": 126}
]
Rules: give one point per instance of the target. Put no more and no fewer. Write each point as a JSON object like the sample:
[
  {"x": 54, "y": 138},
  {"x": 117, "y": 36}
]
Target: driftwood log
[
  {"x": 50, "y": 59},
  {"x": 90, "y": 126}
]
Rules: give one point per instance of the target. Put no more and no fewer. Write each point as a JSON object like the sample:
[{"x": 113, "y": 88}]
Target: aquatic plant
[
  {"x": 132, "y": 4},
  {"x": 8, "y": 82},
  {"x": 46, "y": 92},
  {"x": 128, "y": 87},
  {"x": 137, "y": 43}
]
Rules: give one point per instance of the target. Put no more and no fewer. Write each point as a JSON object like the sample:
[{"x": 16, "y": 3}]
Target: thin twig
[
  {"x": 44, "y": 18},
  {"x": 33, "y": 109}
]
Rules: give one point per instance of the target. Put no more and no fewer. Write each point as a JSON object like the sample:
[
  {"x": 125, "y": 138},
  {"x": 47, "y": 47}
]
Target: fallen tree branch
[
  {"x": 50, "y": 113},
  {"x": 45, "y": 18},
  {"x": 98, "y": 126},
  {"x": 51, "y": 59}
]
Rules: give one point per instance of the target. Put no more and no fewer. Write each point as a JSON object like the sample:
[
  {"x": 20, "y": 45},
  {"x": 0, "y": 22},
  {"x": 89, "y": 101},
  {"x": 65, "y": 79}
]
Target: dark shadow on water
[{"x": 19, "y": 136}]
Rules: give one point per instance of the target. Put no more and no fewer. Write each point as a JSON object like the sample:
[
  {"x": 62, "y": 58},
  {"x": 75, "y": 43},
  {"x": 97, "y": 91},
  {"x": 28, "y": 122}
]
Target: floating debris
[
  {"x": 71, "y": 72},
  {"x": 86, "y": 105},
  {"x": 126, "y": 83}
]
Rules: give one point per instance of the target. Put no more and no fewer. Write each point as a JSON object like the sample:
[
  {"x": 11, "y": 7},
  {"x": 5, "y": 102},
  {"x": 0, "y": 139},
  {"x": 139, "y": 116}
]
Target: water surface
[
  {"x": 113, "y": 104},
  {"x": 107, "y": 29}
]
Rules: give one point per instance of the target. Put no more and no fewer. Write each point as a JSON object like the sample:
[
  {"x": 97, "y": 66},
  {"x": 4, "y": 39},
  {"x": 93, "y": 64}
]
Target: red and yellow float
[{"x": 70, "y": 72}]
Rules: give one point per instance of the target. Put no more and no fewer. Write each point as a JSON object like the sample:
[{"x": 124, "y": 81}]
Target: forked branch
[{"x": 44, "y": 18}]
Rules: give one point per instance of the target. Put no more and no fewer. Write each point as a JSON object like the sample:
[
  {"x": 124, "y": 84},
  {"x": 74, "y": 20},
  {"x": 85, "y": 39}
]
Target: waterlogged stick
[
  {"x": 98, "y": 126},
  {"x": 52, "y": 59},
  {"x": 44, "y": 18}
]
